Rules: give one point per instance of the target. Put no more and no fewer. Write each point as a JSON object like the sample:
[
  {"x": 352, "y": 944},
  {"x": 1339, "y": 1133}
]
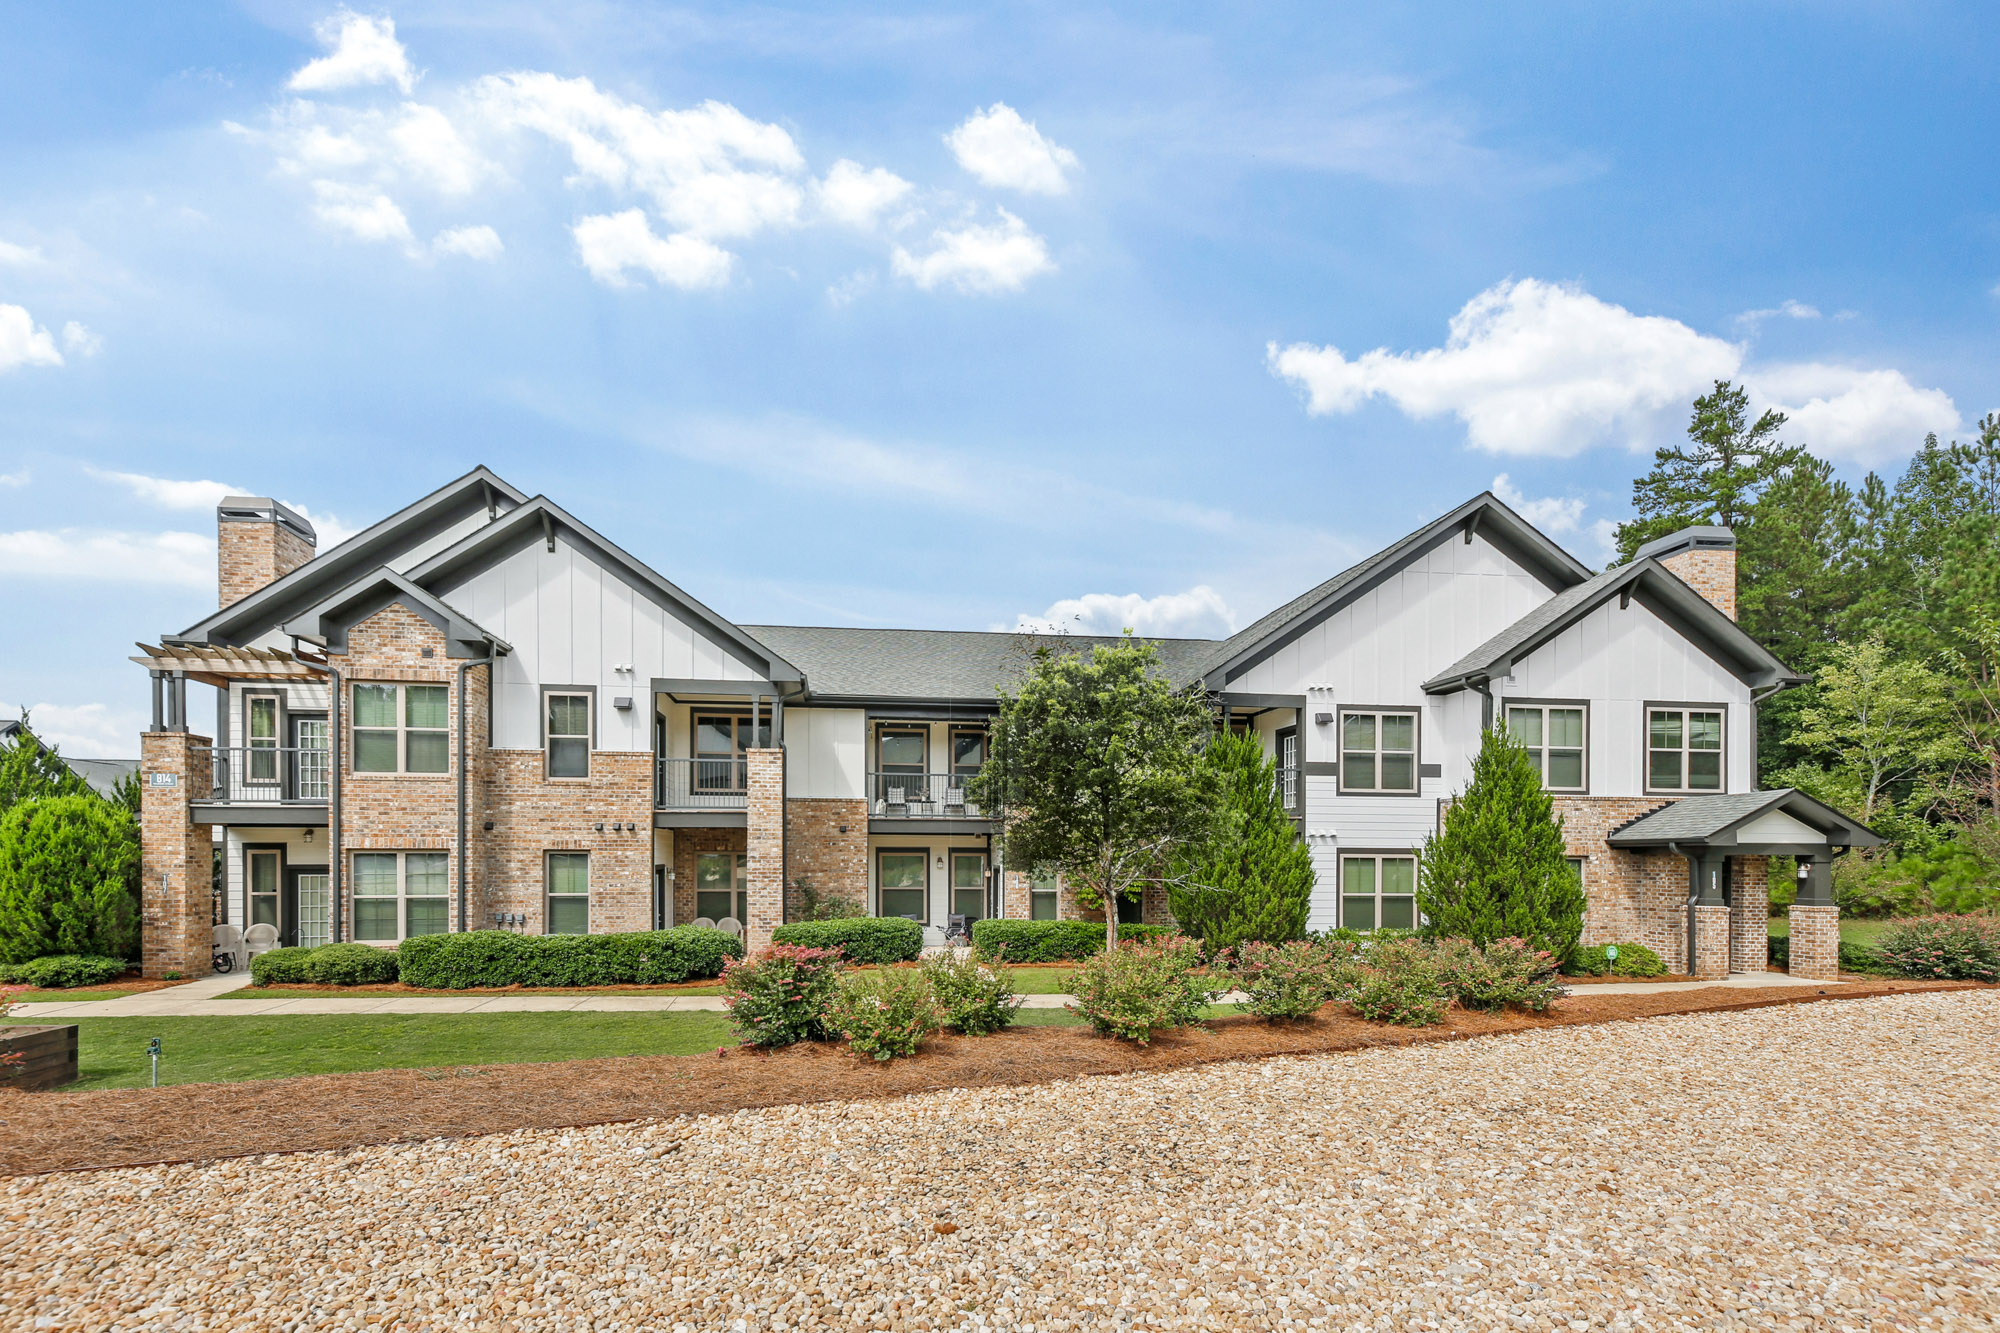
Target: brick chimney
[
  {"x": 1705, "y": 559},
  {"x": 257, "y": 541}
]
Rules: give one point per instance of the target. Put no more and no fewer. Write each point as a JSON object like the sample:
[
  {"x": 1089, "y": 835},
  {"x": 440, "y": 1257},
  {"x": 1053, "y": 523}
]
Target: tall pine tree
[
  {"x": 1252, "y": 879},
  {"x": 1716, "y": 477},
  {"x": 1498, "y": 869}
]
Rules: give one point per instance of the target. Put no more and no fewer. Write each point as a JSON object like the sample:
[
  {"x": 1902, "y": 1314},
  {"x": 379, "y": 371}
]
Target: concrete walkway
[{"x": 209, "y": 998}]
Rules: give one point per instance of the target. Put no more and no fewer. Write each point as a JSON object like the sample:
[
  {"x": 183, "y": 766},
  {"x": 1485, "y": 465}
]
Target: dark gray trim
[
  {"x": 328, "y": 621},
  {"x": 1646, "y": 747},
  {"x": 1839, "y": 830},
  {"x": 1238, "y": 700},
  {"x": 701, "y": 819},
  {"x": 1416, "y": 711},
  {"x": 337, "y": 685},
  {"x": 263, "y": 690},
  {"x": 673, "y": 688},
  {"x": 875, "y": 875},
  {"x": 947, "y": 827},
  {"x": 263, "y": 509},
  {"x": 893, "y": 710},
  {"x": 258, "y": 816},
  {"x": 1699, "y": 536},
  {"x": 542, "y": 727},
  {"x": 1430, "y": 770},
  {"x": 506, "y": 534},
  {"x": 1322, "y": 768},
  {"x": 250, "y": 849},
  {"x": 1507, "y": 701}
]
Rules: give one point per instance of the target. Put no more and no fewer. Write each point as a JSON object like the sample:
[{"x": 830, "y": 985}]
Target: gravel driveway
[{"x": 1826, "y": 1166}]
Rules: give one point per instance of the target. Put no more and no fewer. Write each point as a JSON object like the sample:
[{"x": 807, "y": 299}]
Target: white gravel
[{"x": 1826, "y": 1166}]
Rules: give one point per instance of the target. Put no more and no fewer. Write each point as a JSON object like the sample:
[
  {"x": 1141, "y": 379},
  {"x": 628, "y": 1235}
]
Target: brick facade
[
  {"x": 1711, "y": 939},
  {"x": 177, "y": 857},
  {"x": 1815, "y": 941},
  {"x": 765, "y": 845},
  {"x": 1749, "y": 913},
  {"x": 249, "y": 555},
  {"x": 817, "y": 850},
  {"x": 1710, "y": 571}
]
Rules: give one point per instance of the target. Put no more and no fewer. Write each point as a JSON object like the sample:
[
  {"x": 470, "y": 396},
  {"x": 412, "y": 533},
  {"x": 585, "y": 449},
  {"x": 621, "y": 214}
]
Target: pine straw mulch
[{"x": 52, "y": 1131}]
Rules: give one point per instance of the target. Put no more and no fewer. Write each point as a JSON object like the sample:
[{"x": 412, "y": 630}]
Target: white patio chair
[
  {"x": 226, "y": 941},
  {"x": 732, "y": 925},
  {"x": 260, "y": 938},
  {"x": 706, "y": 923}
]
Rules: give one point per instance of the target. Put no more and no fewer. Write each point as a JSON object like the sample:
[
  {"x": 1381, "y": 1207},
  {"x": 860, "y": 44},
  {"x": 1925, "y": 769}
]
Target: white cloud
[
  {"x": 482, "y": 243},
  {"x": 361, "y": 211},
  {"x": 1786, "y": 309},
  {"x": 10, "y": 480},
  {"x": 179, "y": 559},
  {"x": 23, "y": 342},
  {"x": 1853, "y": 415},
  {"x": 1001, "y": 149},
  {"x": 850, "y": 288},
  {"x": 425, "y": 144},
  {"x": 1530, "y": 367},
  {"x": 1553, "y": 514},
  {"x": 975, "y": 258},
  {"x": 21, "y": 256},
  {"x": 1197, "y": 613},
  {"x": 611, "y": 245},
  {"x": 360, "y": 50},
  {"x": 80, "y": 341},
  {"x": 88, "y": 731},
  {"x": 328, "y": 530},
  {"x": 167, "y": 493},
  {"x": 856, "y": 195}
]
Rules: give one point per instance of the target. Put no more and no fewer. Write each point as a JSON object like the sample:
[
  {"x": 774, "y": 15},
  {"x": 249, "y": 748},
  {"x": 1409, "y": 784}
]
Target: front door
[
  {"x": 309, "y": 779},
  {"x": 968, "y": 885},
  {"x": 305, "y": 915}
]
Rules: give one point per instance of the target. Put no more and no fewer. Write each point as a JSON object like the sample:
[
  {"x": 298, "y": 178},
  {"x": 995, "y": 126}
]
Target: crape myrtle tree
[
  {"x": 1252, "y": 877},
  {"x": 1498, "y": 868},
  {"x": 1095, "y": 770}
]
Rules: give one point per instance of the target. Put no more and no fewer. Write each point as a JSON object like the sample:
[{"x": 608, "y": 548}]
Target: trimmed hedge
[
  {"x": 861, "y": 939},
  {"x": 63, "y": 970},
  {"x": 1051, "y": 941},
  {"x": 350, "y": 965},
  {"x": 280, "y": 967},
  {"x": 1634, "y": 960},
  {"x": 502, "y": 958}
]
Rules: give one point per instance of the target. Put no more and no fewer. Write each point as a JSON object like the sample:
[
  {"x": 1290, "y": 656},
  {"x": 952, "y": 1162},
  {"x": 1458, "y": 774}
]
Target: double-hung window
[
  {"x": 567, "y": 733},
  {"x": 1684, "y": 748},
  {"x": 398, "y": 895},
  {"x": 1378, "y": 891},
  {"x": 1378, "y": 752},
  {"x": 569, "y": 893},
  {"x": 260, "y": 761},
  {"x": 1042, "y": 897},
  {"x": 1553, "y": 735},
  {"x": 722, "y": 886},
  {"x": 402, "y": 728},
  {"x": 903, "y": 882}
]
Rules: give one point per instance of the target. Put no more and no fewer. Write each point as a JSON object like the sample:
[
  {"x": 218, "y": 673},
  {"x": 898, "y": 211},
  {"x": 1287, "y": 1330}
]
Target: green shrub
[
  {"x": 863, "y": 939},
  {"x": 781, "y": 996},
  {"x": 502, "y": 958},
  {"x": 886, "y": 1012},
  {"x": 350, "y": 965},
  {"x": 1634, "y": 960},
  {"x": 1401, "y": 982},
  {"x": 1853, "y": 957},
  {"x": 63, "y": 970},
  {"x": 1252, "y": 877},
  {"x": 1950, "y": 948},
  {"x": 973, "y": 998},
  {"x": 1505, "y": 972},
  {"x": 1051, "y": 941},
  {"x": 817, "y": 906},
  {"x": 69, "y": 869},
  {"x": 280, "y": 967},
  {"x": 1142, "y": 987},
  {"x": 1291, "y": 981}
]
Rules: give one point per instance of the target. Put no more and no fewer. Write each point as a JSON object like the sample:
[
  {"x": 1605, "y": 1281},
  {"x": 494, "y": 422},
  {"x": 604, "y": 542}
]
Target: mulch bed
[
  {"x": 132, "y": 985},
  {"x": 53, "y": 1131},
  {"x": 482, "y": 992}
]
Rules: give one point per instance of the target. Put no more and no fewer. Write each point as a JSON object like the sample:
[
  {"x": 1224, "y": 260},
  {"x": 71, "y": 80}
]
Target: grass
[
  {"x": 1852, "y": 931},
  {"x": 35, "y": 996},
  {"x": 354, "y": 992}
]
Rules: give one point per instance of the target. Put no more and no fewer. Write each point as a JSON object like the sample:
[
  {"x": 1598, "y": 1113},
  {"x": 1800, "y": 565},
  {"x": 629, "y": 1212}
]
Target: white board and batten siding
[
  {"x": 571, "y": 620},
  {"x": 826, "y": 752}
]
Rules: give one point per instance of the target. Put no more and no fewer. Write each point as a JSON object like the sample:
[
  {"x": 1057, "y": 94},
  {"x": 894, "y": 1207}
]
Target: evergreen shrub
[
  {"x": 1251, "y": 878},
  {"x": 864, "y": 939},
  {"x": 280, "y": 967},
  {"x": 62, "y": 971},
  {"x": 1634, "y": 960},
  {"x": 69, "y": 868},
  {"x": 502, "y": 958},
  {"x": 350, "y": 965}
]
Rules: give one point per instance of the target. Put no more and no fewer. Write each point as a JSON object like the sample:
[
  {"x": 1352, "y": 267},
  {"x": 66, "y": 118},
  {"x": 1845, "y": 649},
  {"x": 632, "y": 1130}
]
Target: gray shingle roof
[
  {"x": 929, "y": 663},
  {"x": 1693, "y": 818}
]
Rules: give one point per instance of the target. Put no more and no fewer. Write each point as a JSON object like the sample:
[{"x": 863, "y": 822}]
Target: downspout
[
  {"x": 333, "y": 803},
  {"x": 463, "y": 668},
  {"x": 1484, "y": 685}
]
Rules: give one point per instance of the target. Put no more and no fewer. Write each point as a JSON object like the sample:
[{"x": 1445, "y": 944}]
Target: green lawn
[
  {"x": 112, "y": 1051},
  {"x": 1851, "y": 931},
  {"x": 351, "y": 993},
  {"x": 36, "y": 996}
]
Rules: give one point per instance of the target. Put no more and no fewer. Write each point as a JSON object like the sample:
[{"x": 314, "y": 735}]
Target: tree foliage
[
  {"x": 1095, "y": 770},
  {"x": 68, "y": 869},
  {"x": 31, "y": 770},
  {"x": 1252, "y": 877},
  {"x": 1716, "y": 477},
  {"x": 1498, "y": 869}
]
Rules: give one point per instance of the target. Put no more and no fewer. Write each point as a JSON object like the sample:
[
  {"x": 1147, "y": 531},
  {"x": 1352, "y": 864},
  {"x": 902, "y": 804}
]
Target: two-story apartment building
[{"x": 481, "y": 713}]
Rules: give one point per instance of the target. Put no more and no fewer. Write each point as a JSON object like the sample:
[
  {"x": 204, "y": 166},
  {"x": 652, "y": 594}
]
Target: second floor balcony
[
  {"x": 701, "y": 784},
  {"x": 918, "y": 795}
]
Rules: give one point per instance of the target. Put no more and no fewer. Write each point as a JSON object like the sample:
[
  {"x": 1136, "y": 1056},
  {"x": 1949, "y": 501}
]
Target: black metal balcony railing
[
  {"x": 701, "y": 784},
  {"x": 272, "y": 775},
  {"x": 921, "y": 796}
]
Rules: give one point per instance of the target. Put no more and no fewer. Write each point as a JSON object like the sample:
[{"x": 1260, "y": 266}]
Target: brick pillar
[
  {"x": 765, "y": 845},
  {"x": 1816, "y": 941},
  {"x": 1749, "y": 913},
  {"x": 1711, "y": 939},
  {"x": 176, "y": 855}
]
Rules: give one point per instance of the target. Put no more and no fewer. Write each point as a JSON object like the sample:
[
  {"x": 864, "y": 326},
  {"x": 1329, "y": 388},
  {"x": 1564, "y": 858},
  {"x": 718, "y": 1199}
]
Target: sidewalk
[{"x": 202, "y": 998}]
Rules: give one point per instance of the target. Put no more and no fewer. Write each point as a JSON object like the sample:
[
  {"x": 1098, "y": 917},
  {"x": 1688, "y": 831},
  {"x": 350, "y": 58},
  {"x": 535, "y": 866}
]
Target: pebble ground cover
[{"x": 1817, "y": 1166}]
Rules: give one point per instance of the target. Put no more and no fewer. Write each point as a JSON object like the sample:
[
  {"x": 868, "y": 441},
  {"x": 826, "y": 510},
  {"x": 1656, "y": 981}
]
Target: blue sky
[{"x": 947, "y": 317}]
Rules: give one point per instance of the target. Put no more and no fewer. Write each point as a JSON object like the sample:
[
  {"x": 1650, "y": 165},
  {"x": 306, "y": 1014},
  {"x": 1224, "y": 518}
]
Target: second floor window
[
  {"x": 1683, "y": 749},
  {"x": 1378, "y": 752},
  {"x": 1554, "y": 740},
  {"x": 568, "y": 735},
  {"x": 720, "y": 743},
  {"x": 402, "y": 728},
  {"x": 968, "y": 753},
  {"x": 261, "y": 728}
]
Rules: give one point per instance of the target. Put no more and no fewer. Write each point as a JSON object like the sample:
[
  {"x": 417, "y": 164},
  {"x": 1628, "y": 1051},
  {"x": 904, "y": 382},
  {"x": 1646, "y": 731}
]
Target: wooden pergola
[{"x": 173, "y": 665}]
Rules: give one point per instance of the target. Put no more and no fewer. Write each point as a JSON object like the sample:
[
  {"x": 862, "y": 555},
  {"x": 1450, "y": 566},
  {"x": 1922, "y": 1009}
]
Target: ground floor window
[
  {"x": 400, "y": 894},
  {"x": 1042, "y": 897},
  {"x": 968, "y": 885},
  {"x": 722, "y": 886},
  {"x": 902, "y": 883},
  {"x": 1378, "y": 891},
  {"x": 569, "y": 893}
]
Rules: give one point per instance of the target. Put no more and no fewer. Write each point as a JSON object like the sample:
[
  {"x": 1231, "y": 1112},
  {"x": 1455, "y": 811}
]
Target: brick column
[
  {"x": 1711, "y": 939},
  {"x": 1749, "y": 913},
  {"x": 765, "y": 845},
  {"x": 1816, "y": 941},
  {"x": 176, "y": 855}
]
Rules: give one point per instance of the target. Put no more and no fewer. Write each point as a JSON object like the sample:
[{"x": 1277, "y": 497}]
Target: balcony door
[
  {"x": 901, "y": 760},
  {"x": 310, "y": 780},
  {"x": 968, "y": 884},
  {"x": 720, "y": 741},
  {"x": 308, "y": 914}
]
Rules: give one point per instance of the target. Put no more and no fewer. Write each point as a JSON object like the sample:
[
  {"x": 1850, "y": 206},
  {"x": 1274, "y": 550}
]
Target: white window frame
[
  {"x": 1349, "y": 788},
  {"x": 588, "y": 736},
  {"x": 402, "y": 730},
  {"x": 402, "y": 898},
  {"x": 549, "y": 895},
  {"x": 1377, "y": 858},
  {"x": 1540, "y": 750},
  {"x": 256, "y": 747},
  {"x": 1648, "y": 749}
]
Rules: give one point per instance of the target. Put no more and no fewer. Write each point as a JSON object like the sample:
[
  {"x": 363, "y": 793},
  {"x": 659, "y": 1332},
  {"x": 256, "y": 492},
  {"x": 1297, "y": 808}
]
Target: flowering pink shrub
[
  {"x": 1949, "y": 948},
  {"x": 781, "y": 995},
  {"x": 1142, "y": 987},
  {"x": 885, "y": 1013},
  {"x": 1290, "y": 981}
]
